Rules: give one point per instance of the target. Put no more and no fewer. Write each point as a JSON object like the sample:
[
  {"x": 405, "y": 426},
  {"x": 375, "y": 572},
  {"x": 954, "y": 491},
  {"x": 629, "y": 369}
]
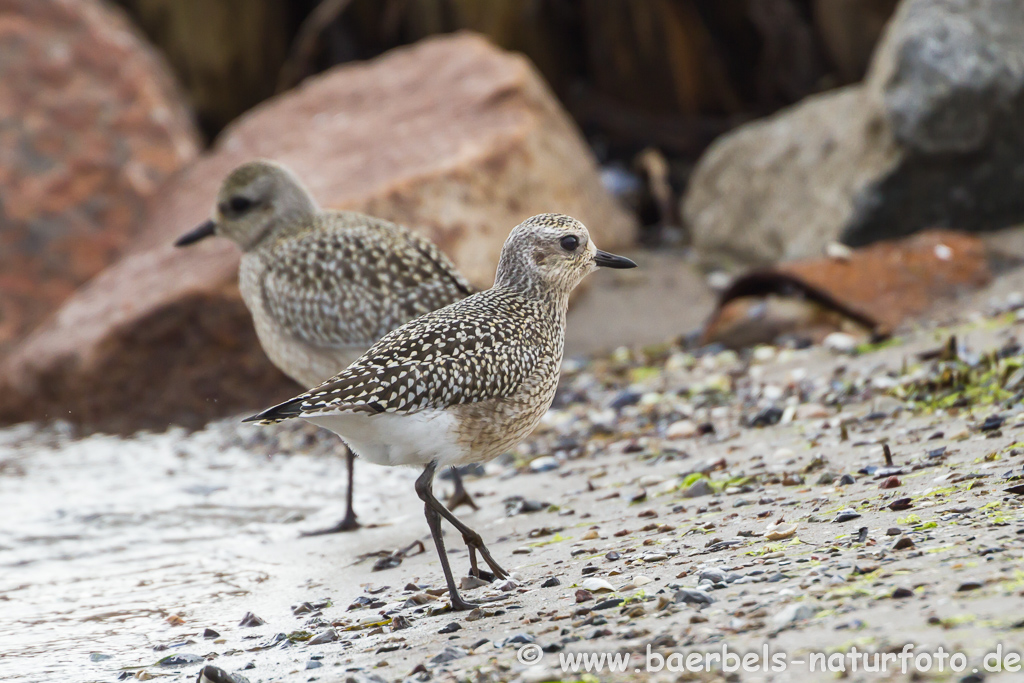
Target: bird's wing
[
  {"x": 448, "y": 357},
  {"x": 348, "y": 283}
]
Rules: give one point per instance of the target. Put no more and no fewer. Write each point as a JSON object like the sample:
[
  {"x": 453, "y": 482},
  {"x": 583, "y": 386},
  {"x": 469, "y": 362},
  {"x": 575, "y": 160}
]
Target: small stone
[
  {"x": 699, "y": 488},
  {"x": 213, "y": 674},
  {"x": 180, "y": 659},
  {"x": 780, "y": 534},
  {"x": 655, "y": 557},
  {"x": 448, "y": 654},
  {"x": 969, "y": 586},
  {"x": 608, "y": 604},
  {"x": 471, "y": 582},
  {"x": 890, "y": 483},
  {"x": 583, "y": 595},
  {"x": 683, "y": 429},
  {"x": 450, "y": 628},
  {"x": 596, "y": 585},
  {"x": 328, "y": 636},
  {"x": 591, "y": 535},
  {"x": 98, "y": 657},
  {"x": 902, "y": 593},
  {"x": 551, "y": 582},
  {"x": 250, "y": 620},
  {"x": 846, "y": 480},
  {"x": 544, "y": 464},
  {"x": 694, "y": 596},
  {"x": 903, "y": 543},
  {"x": 313, "y": 664},
  {"x": 846, "y": 515},
  {"x": 840, "y": 342},
  {"x": 794, "y": 613},
  {"x": 900, "y": 504}
]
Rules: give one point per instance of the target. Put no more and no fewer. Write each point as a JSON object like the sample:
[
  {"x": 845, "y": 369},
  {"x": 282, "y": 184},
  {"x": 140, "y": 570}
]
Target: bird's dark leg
[
  {"x": 472, "y": 539},
  {"x": 424, "y": 489},
  {"x": 349, "y": 522},
  {"x": 460, "y": 496}
]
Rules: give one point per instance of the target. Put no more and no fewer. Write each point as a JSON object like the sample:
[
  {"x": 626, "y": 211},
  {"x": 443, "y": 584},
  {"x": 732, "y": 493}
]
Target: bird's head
[{"x": 254, "y": 200}]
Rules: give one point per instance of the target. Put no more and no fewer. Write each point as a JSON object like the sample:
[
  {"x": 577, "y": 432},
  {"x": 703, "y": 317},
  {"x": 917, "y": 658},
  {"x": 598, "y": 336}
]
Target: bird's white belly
[{"x": 397, "y": 438}]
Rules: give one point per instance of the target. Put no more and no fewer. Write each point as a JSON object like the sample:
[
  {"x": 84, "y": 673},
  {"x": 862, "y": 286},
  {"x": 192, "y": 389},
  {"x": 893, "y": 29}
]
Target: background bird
[
  {"x": 322, "y": 286},
  {"x": 465, "y": 383}
]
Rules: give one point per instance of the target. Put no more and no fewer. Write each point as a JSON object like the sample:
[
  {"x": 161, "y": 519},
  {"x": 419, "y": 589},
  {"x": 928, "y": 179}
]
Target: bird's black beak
[
  {"x": 606, "y": 260},
  {"x": 193, "y": 236}
]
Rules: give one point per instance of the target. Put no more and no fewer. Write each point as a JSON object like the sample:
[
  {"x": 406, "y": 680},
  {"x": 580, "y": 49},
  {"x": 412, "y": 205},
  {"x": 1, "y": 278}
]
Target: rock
[
  {"x": 180, "y": 659},
  {"x": 596, "y": 585},
  {"x": 846, "y": 515},
  {"x": 551, "y": 582},
  {"x": 250, "y": 620},
  {"x": 93, "y": 124},
  {"x": 451, "y": 137},
  {"x": 682, "y": 429},
  {"x": 931, "y": 137},
  {"x": 699, "y": 488},
  {"x": 694, "y": 597},
  {"x": 448, "y": 654},
  {"x": 452, "y": 627},
  {"x": 792, "y": 614},
  {"x": 328, "y": 636},
  {"x": 903, "y": 543},
  {"x": 873, "y": 290},
  {"x": 213, "y": 674},
  {"x": 544, "y": 463}
]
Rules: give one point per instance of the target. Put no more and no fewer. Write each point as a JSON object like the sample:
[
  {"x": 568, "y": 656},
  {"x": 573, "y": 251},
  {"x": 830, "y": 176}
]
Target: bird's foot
[
  {"x": 349, "y": 523},
  {"x": 460, "y": 496}
]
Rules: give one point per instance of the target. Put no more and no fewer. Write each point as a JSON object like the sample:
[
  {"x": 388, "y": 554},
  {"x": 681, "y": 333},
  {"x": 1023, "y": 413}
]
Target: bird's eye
[
  {"x": 240, "y": 204},
  {"x": 570, "y": 242}
]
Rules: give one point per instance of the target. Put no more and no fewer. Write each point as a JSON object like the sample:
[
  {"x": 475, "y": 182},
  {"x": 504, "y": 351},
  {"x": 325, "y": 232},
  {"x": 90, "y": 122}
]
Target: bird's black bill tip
[
  {"x": 606, "y": 260},
  {"x": 202, "y": 232}
]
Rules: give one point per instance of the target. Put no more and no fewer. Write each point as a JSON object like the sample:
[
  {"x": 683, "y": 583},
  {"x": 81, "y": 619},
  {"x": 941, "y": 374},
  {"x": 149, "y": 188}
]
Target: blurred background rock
[{"x": 723, "y": 134}]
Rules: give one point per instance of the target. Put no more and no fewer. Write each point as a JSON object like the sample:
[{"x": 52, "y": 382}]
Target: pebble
[
  {"x": 840, "y": 342},
  {"x": 699, "y": 488},
  {"x": 448, "y": 654},
  {"x": 596, "y": 585},
  {"x": 328, "y": 636},
  {"x": 903, "y": 543},
  {"x": 551, "y": 582},
  {"x": 969, "y": 586},
  {"x": 794, "y": 613},
  {"x": 452, "y": 627},
  {"x": 313, "y": 664},
  {"x": 846, "y": 515},
  {"x": 213, "y": 674},
  {"x": 683, "y": 429},
  {"x": 890, "y": 483},
  {"x": 694, "y": 596},
  {"x": 544, "y": 464},
  {"x": 250, "y": 620},
  {"x": 608, "y": 604},
  {"x": 180, "y": 659},
  {"x": 778, "y": 534}
]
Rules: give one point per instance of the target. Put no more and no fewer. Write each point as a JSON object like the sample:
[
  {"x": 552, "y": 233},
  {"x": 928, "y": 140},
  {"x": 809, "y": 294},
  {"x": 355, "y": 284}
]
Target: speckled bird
[
  {"x": 322, "y": 286},
  {"x": 467, "y": 382}
]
